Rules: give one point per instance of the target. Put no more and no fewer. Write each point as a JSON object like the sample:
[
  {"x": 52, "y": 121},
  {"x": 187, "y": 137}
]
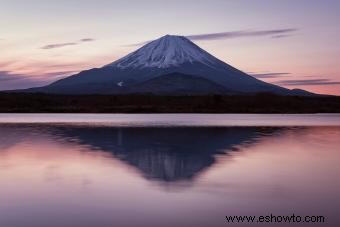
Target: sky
[{"x": 291, "y": 43}]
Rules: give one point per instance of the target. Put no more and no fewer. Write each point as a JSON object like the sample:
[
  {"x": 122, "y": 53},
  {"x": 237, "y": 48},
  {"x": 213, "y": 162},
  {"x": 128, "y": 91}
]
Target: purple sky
[{"x": 287, "y": 42}]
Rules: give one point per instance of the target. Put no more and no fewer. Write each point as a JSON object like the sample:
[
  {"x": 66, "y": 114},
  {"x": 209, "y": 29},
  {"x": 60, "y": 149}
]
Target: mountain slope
[
  {"x": 166, "y": 55},
  {"x": 180, "y": 84}
]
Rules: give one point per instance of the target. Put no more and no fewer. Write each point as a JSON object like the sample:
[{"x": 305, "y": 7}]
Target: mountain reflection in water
[{"x": 163, "y": 154}]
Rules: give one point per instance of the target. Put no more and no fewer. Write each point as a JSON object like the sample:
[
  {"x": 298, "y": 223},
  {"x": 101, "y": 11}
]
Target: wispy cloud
[
  {"x": 60, "y": 45},
  {"x": 10, "y": 80},
  {"x": 268, "y": 75},
  {"x": 87, "y": 40},
  {"x": 275, "y": 33},
  {"x": 272, "y": 33},
  {"x": 308, "y": 82},
  {"x": 280, "y": 36},
  {"x": 57, "y": 45},
  {"x": 8, "y": 76}
]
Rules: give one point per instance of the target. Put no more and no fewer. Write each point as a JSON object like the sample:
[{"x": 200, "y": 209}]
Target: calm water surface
[{"x": 74, "y": 171}]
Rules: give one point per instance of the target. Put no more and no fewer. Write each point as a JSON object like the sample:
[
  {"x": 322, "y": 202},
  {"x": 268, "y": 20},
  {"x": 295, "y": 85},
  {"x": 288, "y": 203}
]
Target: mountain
[
  {"x": 300, "y": 92},
  {"x": 169, "y": 65},
  {"x": 180, "y": 84}
]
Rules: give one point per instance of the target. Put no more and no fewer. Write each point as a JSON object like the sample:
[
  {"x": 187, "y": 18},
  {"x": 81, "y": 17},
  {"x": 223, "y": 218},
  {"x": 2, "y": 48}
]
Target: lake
[{"x": 104, "y": 170}]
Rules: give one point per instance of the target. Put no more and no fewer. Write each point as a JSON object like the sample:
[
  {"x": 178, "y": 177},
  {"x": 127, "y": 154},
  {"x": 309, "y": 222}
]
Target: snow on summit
[{"x": 165, "y": 52}]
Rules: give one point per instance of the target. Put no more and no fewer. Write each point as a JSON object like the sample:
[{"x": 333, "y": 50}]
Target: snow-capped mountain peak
[
  {"x": 168, "y": 65},
  {"x": 167, "y": 51}
]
